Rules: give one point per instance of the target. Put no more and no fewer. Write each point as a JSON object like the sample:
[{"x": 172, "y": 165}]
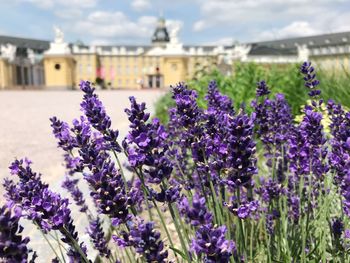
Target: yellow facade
[
  {"x": 86, "y": 66},
  {"x": 175, "y": 70},
  {"x": 6, "y": 74},
  {"x": 137, "y": 71},
  {"x": 333, "y": 64},
  {"x": 60, "y": 71}
]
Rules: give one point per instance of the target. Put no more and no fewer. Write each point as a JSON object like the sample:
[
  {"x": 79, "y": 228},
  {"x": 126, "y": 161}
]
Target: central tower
[{"x": 160, "y": 36}]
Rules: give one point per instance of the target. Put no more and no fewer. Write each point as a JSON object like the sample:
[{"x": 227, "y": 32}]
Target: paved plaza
[{"x": 25, "y": 132}]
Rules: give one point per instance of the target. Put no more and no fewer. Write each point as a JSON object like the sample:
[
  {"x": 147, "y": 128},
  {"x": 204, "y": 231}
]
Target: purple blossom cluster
[
  {"x": 212, "y": 244},
  {"x": 223, "y": 184},
  {"x": 13, "y": 247},
  {"x": 48, "y": 210},
  {"x": 97, "y": 236},
  {"x": 146, "y": 144},
  {"x": 145, "y": 240}
]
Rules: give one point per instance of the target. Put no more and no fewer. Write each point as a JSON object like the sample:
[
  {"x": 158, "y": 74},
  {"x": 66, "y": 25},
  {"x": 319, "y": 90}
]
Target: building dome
[{"x": 160, "y": 35}]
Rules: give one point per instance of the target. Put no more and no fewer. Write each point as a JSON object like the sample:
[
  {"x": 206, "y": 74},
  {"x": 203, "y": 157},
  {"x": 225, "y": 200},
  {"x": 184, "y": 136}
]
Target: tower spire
[{"x": 161, "y": 35}]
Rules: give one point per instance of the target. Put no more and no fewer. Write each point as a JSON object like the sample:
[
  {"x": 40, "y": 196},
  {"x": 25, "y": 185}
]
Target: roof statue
[
  {"x": 174, "y": 34},
  {"x": 8, "y": 51},
  {"x": 303, "y": 52},
  {"x": 58, "y": 46},
  {"x": 59, "y": 35}
]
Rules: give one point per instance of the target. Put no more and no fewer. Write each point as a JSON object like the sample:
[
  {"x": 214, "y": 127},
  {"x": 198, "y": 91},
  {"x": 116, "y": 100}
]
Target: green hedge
[{"x": 240, "y": 86}]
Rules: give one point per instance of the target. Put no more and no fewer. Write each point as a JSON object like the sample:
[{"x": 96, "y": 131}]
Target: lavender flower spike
[
  {"x": 97, "y": 116},
  {"x": 13, "y": 247},
  {"x": 96, "y": 234},
  {"x": 310, "y": 78},
  {"x": 146, "y": 241},
  {"x": 262, "y": 89},
  {"x": 211, "y": 243},
  {"x": 45, "y": 208}
]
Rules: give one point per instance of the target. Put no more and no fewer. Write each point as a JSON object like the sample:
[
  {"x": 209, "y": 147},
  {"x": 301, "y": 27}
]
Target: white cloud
[
  {"x": 141, "y": 5},
  {"x": 69, "y": 14},
  {"x": 115, "y": 27},
  {"x": 172, "y": 24},
  {"x": 330, "y": 23},
  {"x": 225, "y": 41},
  {"x": 199, "y": 25},
  {"x": 286, "y": 18},
  {"x": 46, "y": 4},
  {"x": 296, "y": 28}
]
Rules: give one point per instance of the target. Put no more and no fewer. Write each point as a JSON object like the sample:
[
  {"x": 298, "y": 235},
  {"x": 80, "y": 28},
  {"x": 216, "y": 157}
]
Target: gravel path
[{"x": 25, "y": 132}]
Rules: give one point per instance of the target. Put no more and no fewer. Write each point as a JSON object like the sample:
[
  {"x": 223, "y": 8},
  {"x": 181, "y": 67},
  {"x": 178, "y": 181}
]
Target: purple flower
[
  {"x": 96, "y": 234},
  {"x": 241, "y": 162},
  {"x": 13, "y": 247},
  {"x": 262, "y": 89},
  {"x": 210, "y": 242},
  {"x": 347, "y": 233},
  {"x": 42, "y": 206},
  {"x": 274, "y": 123},
  {"x": 337, "y": 228},
  {"x": 145, "y": 240},
  {"x": 243, "y": 210},
  {"x": 71, "y": 185},
  {"x": 216, "y": 134},
  {"x": 146, "y": 144},
  {"x": 169, "y": 194},
  {"x": 310, "y": 78},
  {"x": 217, "y": 101},
  {"x": 270, "y": 189},
  {"x": 198, "y": 213},
  {"x": 270, "y": 220},
  {"x": 97, "y": 116},
  {"x": 294, "y": 207},
  {"x": 61, "y": 131}
]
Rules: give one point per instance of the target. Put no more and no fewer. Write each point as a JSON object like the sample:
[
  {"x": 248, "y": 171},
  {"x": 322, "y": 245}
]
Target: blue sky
[{"x": 201, "y": 21}]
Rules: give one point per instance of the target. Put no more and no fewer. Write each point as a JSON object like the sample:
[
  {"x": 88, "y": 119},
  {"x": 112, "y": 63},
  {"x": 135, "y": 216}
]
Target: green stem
[
  {"x": 183, "y": 245},
  {"x": 251, "y": 241},
  {"x": 165, "y": 227},
  {"x": 75, "y": 244},
  {"x": 121, "y": 170},
  {"x": 241, "y": 224},
  {"x": 47, "y": 240},
  {"x": 59, "y": 247}
]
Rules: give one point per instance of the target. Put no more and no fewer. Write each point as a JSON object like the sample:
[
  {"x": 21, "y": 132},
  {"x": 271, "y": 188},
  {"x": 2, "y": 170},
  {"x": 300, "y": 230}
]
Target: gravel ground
[{"x": 25, "y": 132}]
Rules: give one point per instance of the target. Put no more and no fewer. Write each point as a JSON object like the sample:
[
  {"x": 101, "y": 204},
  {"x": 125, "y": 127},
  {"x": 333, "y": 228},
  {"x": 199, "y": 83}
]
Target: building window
[
  {"x": 127, "y": 82},
  {"x": 135, "y": 70},
  {"x": 174, "y": 67},
  {"x": 127, "y": 70},
  {"x": 111, "y": 72},
  {"x": 57, "y": 66},
  {"x": 119, "y": 82},
  {"x": 88, "y": 69},
  {"x": 80, "y": 69}
]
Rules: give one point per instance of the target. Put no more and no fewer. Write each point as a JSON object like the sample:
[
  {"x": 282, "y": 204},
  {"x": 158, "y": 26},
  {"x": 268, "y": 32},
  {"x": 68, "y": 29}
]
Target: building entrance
[{"x": 155, "y": 81}]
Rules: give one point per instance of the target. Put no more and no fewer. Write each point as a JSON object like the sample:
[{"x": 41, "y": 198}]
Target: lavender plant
[{"x": 214, "y": 185}]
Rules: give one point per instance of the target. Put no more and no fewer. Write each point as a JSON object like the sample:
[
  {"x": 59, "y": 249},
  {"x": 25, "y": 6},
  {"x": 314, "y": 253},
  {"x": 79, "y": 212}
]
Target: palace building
[{"x": 29, "y": 63}]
